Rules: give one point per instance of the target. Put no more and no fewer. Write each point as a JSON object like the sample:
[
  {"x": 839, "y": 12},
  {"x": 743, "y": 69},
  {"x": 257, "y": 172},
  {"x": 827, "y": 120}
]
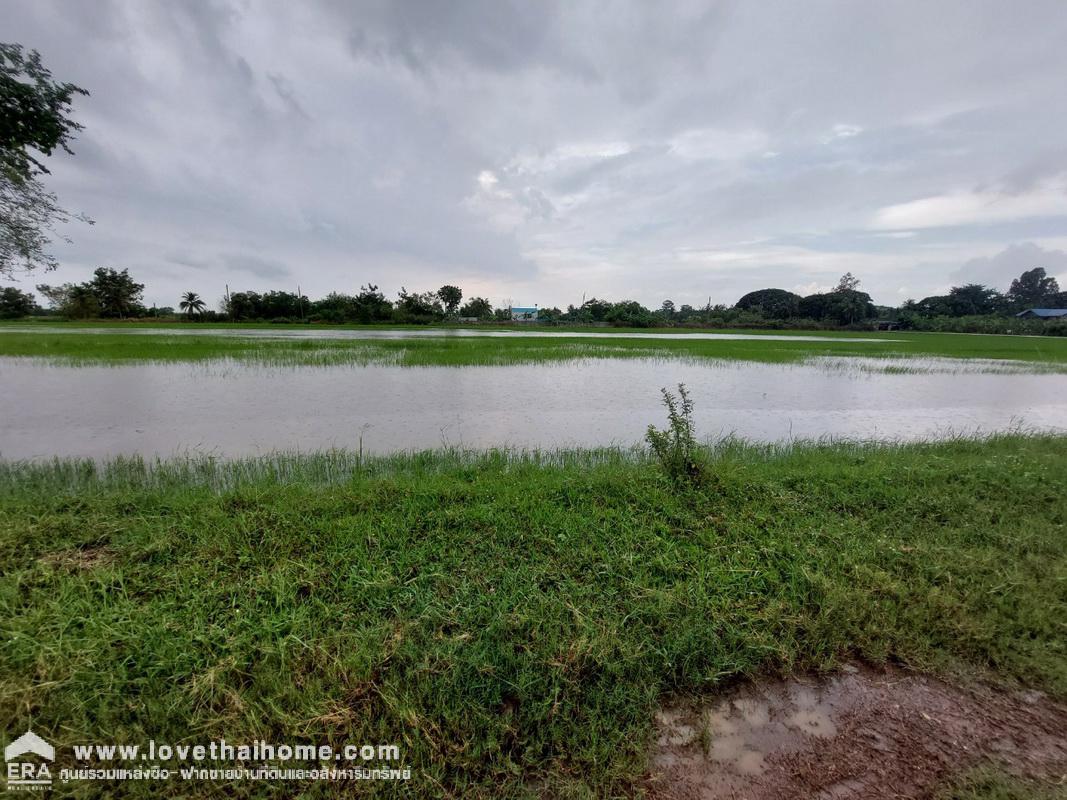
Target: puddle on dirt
[{"x": 862, "y": 733}]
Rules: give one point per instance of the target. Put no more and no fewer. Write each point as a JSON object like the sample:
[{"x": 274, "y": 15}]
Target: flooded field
[
  {"x": 428, "y": 333},
  {"x": 237, "y": 409}
]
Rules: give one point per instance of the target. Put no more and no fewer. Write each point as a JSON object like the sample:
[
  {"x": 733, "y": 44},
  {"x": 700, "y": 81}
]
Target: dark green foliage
[
  {"x": 772, "y": 303},
  {"x": 450, "y": 296},
  {"x": 109, "y": 294},
  {"x": 116, "y": 293},
  {"x": 1033, "y": 289},
  {"x": 15, "y": 303},
  {"x": 627, "y": 313},
  {"x": 477, "y": 307},
  {"x": 974, "y": 299},
  {"x": 71, "y": 300},
  {"x": 34, "y": 113},
  {"x": 191, "y": 303},
  {"x": 845, "y": 307},
  {"x": 979, "y": 309},
  {"x": 368, "y": 306},
  {"x": 550, "y": 316},
  {"x": 418, "y": 308},
  {"x": 592, "y": 310},
  {"x": 630, "y": 314},
  {"x": 986, "y": 323},
  {"x": 273, "y": 305}
]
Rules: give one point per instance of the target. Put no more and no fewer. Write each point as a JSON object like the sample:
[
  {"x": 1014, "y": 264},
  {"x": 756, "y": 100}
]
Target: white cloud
[
  {"x": 723, "y": 145},
  {"x": 973, "y": 208},
  {"x": 804, "y": 289},
  {"x": 842, "y": 131},
  {"x": 570, "y": 155}
]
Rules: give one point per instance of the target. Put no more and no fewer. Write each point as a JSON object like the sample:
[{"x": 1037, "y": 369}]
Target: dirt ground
[{"x": 864, "y": 733}]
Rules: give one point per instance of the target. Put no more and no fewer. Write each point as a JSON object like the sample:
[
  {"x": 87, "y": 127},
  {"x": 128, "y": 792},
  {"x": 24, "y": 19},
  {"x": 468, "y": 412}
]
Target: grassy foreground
[
  {"x": 511, "y": 622},
  {"x": 129, "y": 344}
]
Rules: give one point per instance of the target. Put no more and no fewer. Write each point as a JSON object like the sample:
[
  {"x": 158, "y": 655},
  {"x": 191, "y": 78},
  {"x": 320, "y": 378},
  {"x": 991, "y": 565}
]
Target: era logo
[{"x": 28, "y": 774}]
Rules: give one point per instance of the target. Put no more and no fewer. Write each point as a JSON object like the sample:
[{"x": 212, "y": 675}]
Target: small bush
[{"x": 675, "y": 448}]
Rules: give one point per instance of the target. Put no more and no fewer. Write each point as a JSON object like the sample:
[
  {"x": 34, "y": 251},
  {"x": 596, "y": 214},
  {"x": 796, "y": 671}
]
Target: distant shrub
[
  {"x": 675, "y": 448},
  {"x": 986, "y": 323}
]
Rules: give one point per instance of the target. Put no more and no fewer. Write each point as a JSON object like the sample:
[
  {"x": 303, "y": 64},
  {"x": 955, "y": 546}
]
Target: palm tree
[{"x": 191, "y": 304}]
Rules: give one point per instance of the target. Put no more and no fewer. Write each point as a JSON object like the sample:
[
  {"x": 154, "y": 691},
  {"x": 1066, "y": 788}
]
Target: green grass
[
  {"x": 121, "y": 345},
  {"x": 989, "y": 784},
  {"x": 511, "y": 621}
]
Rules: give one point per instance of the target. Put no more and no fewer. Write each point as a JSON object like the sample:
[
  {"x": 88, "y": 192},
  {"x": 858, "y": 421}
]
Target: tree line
[{"x": 114, "y": 294}]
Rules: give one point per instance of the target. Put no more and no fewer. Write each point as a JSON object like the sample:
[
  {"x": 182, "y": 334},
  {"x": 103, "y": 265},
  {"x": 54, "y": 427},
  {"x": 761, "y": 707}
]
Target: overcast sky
[{"x": 539, "y": 151}]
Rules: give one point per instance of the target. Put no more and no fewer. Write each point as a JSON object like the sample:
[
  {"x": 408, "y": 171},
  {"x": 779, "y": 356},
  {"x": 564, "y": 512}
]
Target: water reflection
[
  {"x": 302, "y": 332},
  {"x": 237, "y": 409}
]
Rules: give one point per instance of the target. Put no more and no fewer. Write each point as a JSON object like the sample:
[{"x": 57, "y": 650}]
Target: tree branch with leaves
[{"x": 35, "y": 121}]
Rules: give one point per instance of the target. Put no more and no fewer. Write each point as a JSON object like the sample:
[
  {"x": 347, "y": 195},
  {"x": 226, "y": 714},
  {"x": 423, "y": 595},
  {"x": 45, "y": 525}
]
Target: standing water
[{"x": 231, "y": 409}]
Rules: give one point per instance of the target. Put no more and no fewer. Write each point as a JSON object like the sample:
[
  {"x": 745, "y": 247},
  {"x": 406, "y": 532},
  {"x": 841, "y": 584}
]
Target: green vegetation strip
[
  {"x": 510, "y": 621},
  {"x": 989, "y": 784},
  {"x": 122, "y": 347}
]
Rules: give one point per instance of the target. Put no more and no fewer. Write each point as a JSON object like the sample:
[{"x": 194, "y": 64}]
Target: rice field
[{"x": 301, "y": 346}]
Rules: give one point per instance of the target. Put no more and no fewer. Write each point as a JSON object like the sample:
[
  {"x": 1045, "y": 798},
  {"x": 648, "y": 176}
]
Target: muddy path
[{"x": 864, "y": 733}]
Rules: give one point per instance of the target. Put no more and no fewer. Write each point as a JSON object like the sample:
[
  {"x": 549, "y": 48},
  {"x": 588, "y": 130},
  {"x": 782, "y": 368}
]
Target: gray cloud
[
  {"x": 260, "y": 267},
  {"x": 999, "y": 270},
  {"x": 541, "y": 151}
]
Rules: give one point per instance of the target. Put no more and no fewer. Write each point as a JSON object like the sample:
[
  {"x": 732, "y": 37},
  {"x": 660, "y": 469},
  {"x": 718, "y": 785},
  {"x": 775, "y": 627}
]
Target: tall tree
[
  {"x": 191, "y": 303},
  {"x": 451, "y": 297},
  {"x": 116, "y": 292},
  {"x": 974, "y": 298},
  {"x": 847, "y": 283},
  {"x": 34, "y": 119},
  {"x": 1032, "y": 289}
]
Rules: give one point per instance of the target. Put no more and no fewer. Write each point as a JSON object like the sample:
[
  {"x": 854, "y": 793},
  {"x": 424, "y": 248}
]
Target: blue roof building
[{"x": 1043, "y": 313}]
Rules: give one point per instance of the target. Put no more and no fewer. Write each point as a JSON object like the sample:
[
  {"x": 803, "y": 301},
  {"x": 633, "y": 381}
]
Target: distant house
[
  {"x": 1043, "y": 313},
  {"x": 886, "y": 325},
  {"x": 523, "y": 314}
]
